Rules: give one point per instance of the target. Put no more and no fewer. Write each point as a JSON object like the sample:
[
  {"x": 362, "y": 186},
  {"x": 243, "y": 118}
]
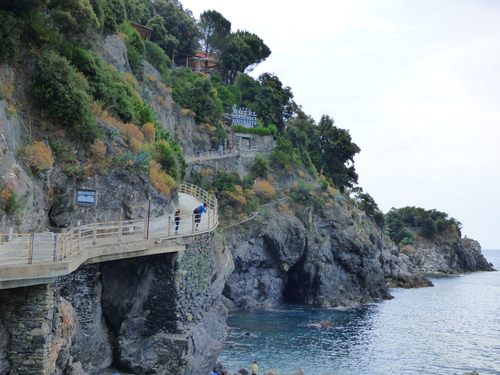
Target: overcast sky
[{"x": 416, "y": 83}]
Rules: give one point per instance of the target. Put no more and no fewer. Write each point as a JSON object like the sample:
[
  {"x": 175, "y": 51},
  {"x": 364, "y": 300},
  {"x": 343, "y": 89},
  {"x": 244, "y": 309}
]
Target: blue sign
[{"x": 86, "y": 197}]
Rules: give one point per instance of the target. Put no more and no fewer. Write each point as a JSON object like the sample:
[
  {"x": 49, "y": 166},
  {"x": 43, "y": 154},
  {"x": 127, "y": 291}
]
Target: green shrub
[
  {"x": 144, "y": 113},
  {"x": 378, "y": 216},
  {"x": 405, "y": 241},
  {"x": 135, "y": 48},
  {"x": 124, "y": 98},
  {"x": 165, "y": 156},
  {"x": 226, "y": 96},
  {"x": 63, "y": 151},
  {"x": 284, "y": 156},
  {"x": 9, "y": 35},
  {"x": 9, "y": 200},
  {"x": 164, "y": 135},
  {"x": 106, "y": 84},
  {"x": 303, "y": 193},
  {"x": 271, "y": 130},
  {"x": 226, "y": 181},
  {"x": 253, "y": 205},
  {"x": 73, "y": 17},
  {"x": 113, "y": 14},
  {"x": 62, "y": 93},
  {"x": 76, "y": 170},
  {"x": 38, "y": 31},
  {"x": 235, "y": 90},
  {"x": 195, "y": 91},
  {"x": 158, "y": 58},
  {"x": 260, "y": 166},
  {"x": 428, "y": 228}
]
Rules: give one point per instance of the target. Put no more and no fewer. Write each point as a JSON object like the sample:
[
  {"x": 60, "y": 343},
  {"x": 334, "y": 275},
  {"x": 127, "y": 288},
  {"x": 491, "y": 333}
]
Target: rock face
[
  {"x": 337, "y": 257},
  {"x": 120, "y": 196},
  {"x": 447, "y": 254},
  {"x": 159, "y": 314},
  {"x": 31, "y": 215},
  {"x": 326, "y": 259}
]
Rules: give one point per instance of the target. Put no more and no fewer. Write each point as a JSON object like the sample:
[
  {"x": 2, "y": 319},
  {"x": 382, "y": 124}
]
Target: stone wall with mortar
[
  {"x": 194, "y": 280},
  {"x": 27, "y": 317}
]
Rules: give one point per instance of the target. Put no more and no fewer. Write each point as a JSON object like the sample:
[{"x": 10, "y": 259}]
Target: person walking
[
  {"x": 197, "y": 215},
  {"x": 177, "y": 219},
  {"x": 254, "y": 368}
]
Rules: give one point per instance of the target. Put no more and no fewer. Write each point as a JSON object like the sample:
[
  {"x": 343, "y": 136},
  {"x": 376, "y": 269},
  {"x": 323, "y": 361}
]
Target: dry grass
[{"x": 39, "y": 156}]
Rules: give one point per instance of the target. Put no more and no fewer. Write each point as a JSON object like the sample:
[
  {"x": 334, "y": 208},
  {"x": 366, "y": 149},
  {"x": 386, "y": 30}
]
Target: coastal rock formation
[
  {"x": 335, "y": 257},
  {"x": 447, "y": 254},
  {"x": 320, "y": 259}
]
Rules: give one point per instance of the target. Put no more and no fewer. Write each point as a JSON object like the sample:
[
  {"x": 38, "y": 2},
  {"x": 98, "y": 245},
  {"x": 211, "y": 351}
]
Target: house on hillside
[
  {"x": 144, "y": 31},
  {"x": 201, "y": 61}
]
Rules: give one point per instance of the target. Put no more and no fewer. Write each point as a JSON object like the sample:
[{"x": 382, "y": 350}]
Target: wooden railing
[
  {"x": 211, "y": 155},
  {"x": 48, "y": 246}
]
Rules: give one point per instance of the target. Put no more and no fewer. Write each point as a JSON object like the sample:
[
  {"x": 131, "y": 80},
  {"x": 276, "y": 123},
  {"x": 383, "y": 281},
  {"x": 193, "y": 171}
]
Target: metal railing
[{"x": 42, "y": 247}]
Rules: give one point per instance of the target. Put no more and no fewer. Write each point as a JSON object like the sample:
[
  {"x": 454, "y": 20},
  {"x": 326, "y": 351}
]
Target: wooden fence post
[
  {"x": 94, "y": 235},
  {"x": 55, "y": 246},
  {"x": 120, "y": 229},
  {"x": 32, "y": 248}
]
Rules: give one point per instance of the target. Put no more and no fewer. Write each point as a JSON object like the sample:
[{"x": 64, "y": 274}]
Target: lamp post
[{"x": 147, "y": 221}]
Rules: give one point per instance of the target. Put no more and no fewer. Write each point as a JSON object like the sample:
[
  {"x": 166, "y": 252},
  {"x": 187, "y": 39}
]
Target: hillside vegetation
[{"x": 90, "y": 118}]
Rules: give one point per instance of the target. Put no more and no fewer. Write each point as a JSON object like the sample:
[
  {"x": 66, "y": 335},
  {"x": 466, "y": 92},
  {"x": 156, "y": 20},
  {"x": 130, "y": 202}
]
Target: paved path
[{"x": 38, "y": 258}]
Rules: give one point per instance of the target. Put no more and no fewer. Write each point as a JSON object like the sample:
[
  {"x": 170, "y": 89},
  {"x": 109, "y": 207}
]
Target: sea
[{"x": 451, "y": 328}]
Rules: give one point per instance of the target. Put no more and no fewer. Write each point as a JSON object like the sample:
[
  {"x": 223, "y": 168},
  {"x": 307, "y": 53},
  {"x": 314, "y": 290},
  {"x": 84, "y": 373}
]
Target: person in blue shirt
[
  {"x": 177, "y": 219},
  {"x": 197, "y": 215}
]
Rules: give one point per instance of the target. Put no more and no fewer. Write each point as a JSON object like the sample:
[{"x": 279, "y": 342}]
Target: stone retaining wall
[
  {"x": 27, "y": 316},
  {"x": 194, "y": 280}
]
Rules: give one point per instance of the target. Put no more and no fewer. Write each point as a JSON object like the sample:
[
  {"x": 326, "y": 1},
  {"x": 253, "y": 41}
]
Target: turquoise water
[{"x": 450, "y": 329}]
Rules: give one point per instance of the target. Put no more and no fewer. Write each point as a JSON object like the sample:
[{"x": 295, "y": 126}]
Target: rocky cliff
[
  {"x": 446, "y": 254},
  {"x": 321, "y": 258}
]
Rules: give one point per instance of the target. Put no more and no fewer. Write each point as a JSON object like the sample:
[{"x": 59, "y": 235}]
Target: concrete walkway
[
  {"x": 39, "y": 258},
  {"x": 187, "y": 203}
]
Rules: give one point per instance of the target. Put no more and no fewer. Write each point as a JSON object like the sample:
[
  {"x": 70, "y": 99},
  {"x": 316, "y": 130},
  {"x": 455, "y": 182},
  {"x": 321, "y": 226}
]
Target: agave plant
[{"x": 141, "y": 161}]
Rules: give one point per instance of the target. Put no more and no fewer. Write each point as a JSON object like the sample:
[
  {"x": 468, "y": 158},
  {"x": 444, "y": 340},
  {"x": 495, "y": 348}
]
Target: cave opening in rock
[{"x": 295, "y": 286}]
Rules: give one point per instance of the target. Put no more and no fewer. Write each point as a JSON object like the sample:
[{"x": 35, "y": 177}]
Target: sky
[{"x": 416, "y": 83}]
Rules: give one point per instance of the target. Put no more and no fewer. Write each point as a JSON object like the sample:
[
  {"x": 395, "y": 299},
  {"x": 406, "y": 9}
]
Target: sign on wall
[{"x": 86, "y": 197}]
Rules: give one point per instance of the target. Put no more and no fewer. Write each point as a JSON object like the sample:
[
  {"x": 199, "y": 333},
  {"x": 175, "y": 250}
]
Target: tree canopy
[
  {"x": 214, "y": 29},
  {"x": 242, "y": 50},
  {"x": 179, "y": 24},
  {"x": 333, "y": 153},
  {"x": 402, "y": 222}
]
